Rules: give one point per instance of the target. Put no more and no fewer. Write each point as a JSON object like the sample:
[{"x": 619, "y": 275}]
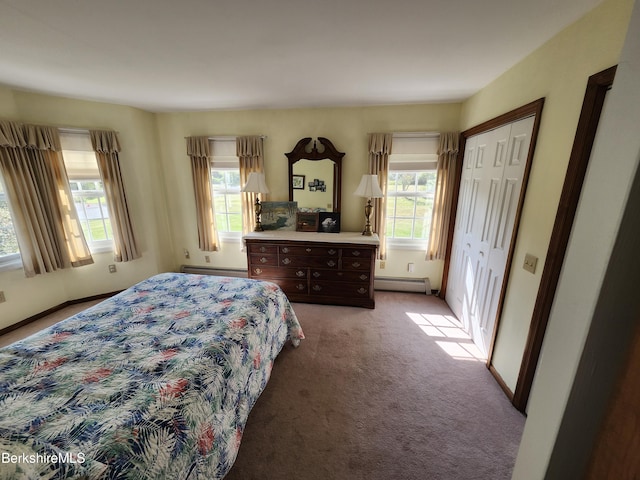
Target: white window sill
[
  {"x": 396, "y": 244},
  {"x": 11, "y": 264},
  {"x": 230, "y": 237}
]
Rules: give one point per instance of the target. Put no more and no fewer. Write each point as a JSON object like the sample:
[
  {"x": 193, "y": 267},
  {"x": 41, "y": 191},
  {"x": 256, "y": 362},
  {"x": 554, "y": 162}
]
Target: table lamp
[
  {"x": 256, "y": 184},
  {"x": 368, "y": 188}
]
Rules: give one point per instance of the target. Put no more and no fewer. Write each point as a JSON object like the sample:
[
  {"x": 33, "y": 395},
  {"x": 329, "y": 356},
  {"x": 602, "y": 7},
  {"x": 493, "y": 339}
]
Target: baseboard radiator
[
  {"x": 420, "y": 285},
  {"x": 221, "y": 272}
]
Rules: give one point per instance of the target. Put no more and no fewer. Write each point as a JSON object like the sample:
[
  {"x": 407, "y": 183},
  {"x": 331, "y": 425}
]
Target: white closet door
[{"x": 493, "y": 168}]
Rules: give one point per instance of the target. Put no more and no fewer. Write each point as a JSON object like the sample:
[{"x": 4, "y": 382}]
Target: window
[
  {"x": 411, "y": 186},
  {"x": 9, "y": 251},
  {"x": 225, "y": 184},
  {"x": 87, "y": 190}
]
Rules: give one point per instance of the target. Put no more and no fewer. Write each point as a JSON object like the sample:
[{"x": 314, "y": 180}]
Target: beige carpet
[
  {"x": 390, "y": 393},
  {"x": 384, "y": 394}
]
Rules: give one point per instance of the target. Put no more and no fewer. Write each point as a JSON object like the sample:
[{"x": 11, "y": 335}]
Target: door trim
[
  {"x": 533, "y": 108},
  {"x": 597, "y": 87}
]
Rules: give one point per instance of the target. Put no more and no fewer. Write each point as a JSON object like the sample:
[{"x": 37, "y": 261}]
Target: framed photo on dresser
[{"x": 329, "y": 222}]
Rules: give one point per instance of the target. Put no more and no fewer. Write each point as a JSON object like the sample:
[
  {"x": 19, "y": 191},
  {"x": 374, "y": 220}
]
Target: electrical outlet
[
  {"x": 411, "y": 267},
  {"x": 2, "y": 299},
  {"x": 112, "y": 268},
  {"x": 383, "y": 264},
  {"x": 207, "y": 258}
]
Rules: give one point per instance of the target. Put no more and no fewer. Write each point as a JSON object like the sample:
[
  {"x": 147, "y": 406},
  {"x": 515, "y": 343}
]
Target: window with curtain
[
  {"x": 9, "y": 251},
  {"x": 225, "y": 185},
  {"x": 87, "y": 190},
  {"x": 411, "y": 185}
]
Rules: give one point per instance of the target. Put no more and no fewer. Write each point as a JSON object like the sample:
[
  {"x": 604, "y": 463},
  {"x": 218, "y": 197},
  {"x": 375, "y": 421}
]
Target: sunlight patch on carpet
[{"x": 455, "y": 341}]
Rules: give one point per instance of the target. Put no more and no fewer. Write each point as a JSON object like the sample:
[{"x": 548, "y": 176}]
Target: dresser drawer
[
  {"x": 341, "y": 289},
  {"x": 262, "y": 248},
  {"x": 356, "y": 263},
  {"x": 298, "y": 261},
  {"x": 309, "y": 250},
  {"x": 257, "y": 259},
  {"x": 265, "y": 273},
  {"x": 292, "y": 285},
  {"x": 363, "y": 253},
  {"x": 339, "y": 276}
]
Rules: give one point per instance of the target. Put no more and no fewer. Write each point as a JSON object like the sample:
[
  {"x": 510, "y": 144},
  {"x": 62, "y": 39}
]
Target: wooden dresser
[{"x": 331, "y": 268}]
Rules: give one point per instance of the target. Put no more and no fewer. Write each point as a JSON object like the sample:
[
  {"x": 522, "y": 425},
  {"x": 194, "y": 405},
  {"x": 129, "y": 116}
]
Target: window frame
[
  {"x": 11, "y": 261},
  {"x": 411, "y": 153},
  {"x": 79, "y": 140},
  {"x": 95, "y": 246},
  {"x": 224, "y": 159}
]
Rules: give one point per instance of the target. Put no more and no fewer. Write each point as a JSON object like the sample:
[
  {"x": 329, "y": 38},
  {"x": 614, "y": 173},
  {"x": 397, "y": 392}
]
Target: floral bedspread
[{"x": 155, "y": 382}]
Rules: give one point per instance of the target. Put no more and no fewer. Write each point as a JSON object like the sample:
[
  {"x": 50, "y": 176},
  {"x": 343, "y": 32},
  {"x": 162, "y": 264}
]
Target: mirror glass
[
  {"x": 314, "y": 175},
  {"x": 316, "y": 178}
]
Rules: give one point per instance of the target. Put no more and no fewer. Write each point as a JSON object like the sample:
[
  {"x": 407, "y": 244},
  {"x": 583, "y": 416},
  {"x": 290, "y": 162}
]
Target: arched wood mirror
[{"x": 315, "y": 175}]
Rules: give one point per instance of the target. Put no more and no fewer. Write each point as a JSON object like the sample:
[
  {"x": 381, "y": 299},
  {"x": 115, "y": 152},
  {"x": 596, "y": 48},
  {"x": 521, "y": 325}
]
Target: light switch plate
[{"x": 530, "y": 263}]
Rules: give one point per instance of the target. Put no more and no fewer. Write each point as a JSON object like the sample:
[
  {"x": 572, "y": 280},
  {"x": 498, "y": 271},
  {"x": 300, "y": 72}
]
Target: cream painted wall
[
  {"x": 558, "y": 71},
  {"x": 346, "y": 127},
  {"x": 144, "y": 182},
  {"x": 595, "y": 304}
]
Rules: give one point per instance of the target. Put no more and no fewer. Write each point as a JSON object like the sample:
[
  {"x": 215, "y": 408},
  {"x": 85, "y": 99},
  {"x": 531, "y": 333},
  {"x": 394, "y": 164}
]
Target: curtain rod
[
  {"x": 81, "y": 130},
  {"x": 415, "y": 134},
  {"x": 223, "y": 138}
]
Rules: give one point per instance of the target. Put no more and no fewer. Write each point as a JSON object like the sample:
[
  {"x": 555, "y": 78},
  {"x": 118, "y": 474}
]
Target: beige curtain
[
  {"x": 107, "y": 147},
  {"x": 442, "y": 205},
  {"x": 379, "y": 150},
  {"x": 49, "y": 233},
  {"x": 251, "y": 156},
  {"x": 199, "y": 151}
]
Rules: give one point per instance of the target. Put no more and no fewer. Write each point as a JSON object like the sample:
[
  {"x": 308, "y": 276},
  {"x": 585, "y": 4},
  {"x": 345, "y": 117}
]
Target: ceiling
[{"x": 164, "y": 55}]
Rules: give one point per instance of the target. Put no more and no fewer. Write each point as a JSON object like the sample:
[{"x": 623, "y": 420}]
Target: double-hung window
[
  {"x": 87, "y": 189},
  {"x": 411, "y": 186},
  {"x": 9, "y": 251},
  {"x": 225, "y": 185}
]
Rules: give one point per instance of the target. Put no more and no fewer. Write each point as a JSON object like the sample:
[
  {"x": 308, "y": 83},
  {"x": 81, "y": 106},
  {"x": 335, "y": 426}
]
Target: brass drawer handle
[
  {"x": 257, "y": 271},
  {"x": 308, "y": 250},
  {"x": 331, "y": 263},
  {"x": 355, "y": 253},
  {"x": 263, "y": 249},
  {"x": 300, "y": 273},
  {"x": 316, "y": 274},
  {"x": 301, "y": 286},
  {"x": 355, "y": 264},
  {"x": 362, "y": 290},
  {"x": 285, "y": 250},
  {"x": 317, "y": 288},
  {"x": 363, "y": 277},
  {"x": 331, "y": 252},
  {"x": 286, "y": 261},
  {"x": 264, "y": 260}
]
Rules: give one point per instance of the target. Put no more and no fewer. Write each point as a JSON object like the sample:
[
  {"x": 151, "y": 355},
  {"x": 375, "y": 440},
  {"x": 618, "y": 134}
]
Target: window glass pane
[
  {"x": 227, "y": 203},
  {"x": 405, "y": 206},
  {"x": 8, "y": 240},
  {"x": 403, "y": 228},
  {"x": 410, "y": 203}
]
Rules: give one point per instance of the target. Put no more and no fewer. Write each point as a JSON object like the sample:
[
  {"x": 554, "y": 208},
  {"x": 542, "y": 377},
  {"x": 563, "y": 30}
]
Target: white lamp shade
[
  {"x": 255, "y": 183},
  {"x": 369, "y": 187}
]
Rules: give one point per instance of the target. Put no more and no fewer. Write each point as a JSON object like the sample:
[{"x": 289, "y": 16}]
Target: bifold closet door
[{"x": 493, "y": 168}]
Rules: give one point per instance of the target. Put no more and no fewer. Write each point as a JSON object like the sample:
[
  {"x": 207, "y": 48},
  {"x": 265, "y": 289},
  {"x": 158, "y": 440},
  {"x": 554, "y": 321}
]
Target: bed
[{"x": 155, "y": 382}]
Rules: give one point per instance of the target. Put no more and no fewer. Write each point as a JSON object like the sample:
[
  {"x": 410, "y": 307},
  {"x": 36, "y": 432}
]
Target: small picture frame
[
  {"x": 297, "y": 182},
  {"x": 307, "y": 221},
  {"x": 329, "y": 222}
]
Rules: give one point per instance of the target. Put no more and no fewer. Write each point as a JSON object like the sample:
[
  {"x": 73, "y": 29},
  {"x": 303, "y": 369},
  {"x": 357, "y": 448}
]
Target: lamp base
[
  {"x": 258, "y": 210},
  {"x": 367, "y": 214}
]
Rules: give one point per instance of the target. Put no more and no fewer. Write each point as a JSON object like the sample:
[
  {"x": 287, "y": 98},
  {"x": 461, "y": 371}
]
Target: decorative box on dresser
[{"x": 330, "y": 268}]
